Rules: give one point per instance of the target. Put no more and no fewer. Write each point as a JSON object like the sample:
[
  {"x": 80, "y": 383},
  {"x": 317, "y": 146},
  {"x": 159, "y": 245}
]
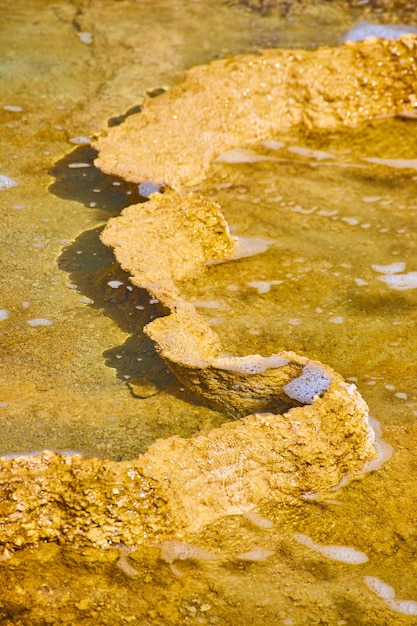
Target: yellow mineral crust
[
  {"x": 297, "y": 427},
  {"x": 302, "y": 428},
  {"x": 247, "y": 99},
  {"x": 169, "y": 239}
]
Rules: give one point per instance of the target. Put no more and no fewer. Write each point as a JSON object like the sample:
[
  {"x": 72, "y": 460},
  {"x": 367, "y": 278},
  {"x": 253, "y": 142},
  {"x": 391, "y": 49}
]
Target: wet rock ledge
[{"x": 296, "y": 426}]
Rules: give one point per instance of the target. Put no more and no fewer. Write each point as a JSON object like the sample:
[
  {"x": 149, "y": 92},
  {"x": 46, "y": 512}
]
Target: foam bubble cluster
[
  {"x": 6, "y": 182},
  {"x": 312, "y": 382},
  {"x": 387, "y": 593},
  {"x": 345, "y": 554}
]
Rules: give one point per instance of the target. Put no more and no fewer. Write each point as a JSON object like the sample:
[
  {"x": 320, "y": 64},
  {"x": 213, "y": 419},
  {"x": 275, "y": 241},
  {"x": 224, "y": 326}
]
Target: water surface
[{"x": 340, "y": 213}]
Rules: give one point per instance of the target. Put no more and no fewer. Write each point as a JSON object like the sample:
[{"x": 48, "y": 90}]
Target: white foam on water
[
  {"x": 387, "y": 593},
  {"x": 123, "y": 563},
  {"x": 249, "y": 246},
  {"x": 397, "y": 163},
  {"x": 85, "y": 37},
  {"x": 21, "y": 455},
  {"x": 337, "y": 320},
  {"x": 39, "y": 321},
  {"x": 258, "y": 520},
  {"x": 312, "y": 382},
  {"x": 299, "y": 209},
  {"x": 12, "y": 107},
  {"x": 352, "y": 221},
  {"x": 115, "y": 284},
  {"x": 6, "y": 182},
  {"x": 370, "y": 199},
  {"x": 256, "y": 554},
  {"x": 394, "y": 268},
  {"x": 310, "y": 154},
  {"x": 363, "y": 30},
  {"x": 271, "y": 144},
  {"x": 211, "y": 304},
  {"x": 400, "y": 282},
  {"x": 80, "y": 140},
  {"x": 263, "y": 286},
  {"x": 345, "y": 554},
  {"x": 147, "y": 188},
  {"x": 75, "y": 166},
  {"x": 173, "y": 550},
  {"x": 360, "y": 282},
  {"x": 383, "y": 450}
]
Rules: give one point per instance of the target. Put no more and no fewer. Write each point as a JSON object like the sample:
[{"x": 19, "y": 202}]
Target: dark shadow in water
[
  {"x": 93, "y": 270},
  {"x": 77, "y": 178},
  {"x": 92, "y": 266},
  {"x": 95, "y": 273}
]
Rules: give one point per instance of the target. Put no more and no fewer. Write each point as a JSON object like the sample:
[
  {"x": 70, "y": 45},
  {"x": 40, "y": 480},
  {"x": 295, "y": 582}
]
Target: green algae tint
[{"x": 330, "y": 220}]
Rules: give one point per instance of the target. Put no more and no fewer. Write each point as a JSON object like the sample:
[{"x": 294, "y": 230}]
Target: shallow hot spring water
[{"x": 336, "y": 215}]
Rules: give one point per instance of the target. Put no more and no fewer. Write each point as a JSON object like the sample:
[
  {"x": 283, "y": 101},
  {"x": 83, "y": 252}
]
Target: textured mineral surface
[
  {"x": 303, "y": 428},
  {"x": 244, "y": 100}
]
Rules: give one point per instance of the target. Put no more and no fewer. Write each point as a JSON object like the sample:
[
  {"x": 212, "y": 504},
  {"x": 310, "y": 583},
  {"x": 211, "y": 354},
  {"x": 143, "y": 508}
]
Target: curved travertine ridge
[
  {"x": 301, "y": 424},
  {"x": 304, "y": 429},
  {"x": 251, "y": 98}
]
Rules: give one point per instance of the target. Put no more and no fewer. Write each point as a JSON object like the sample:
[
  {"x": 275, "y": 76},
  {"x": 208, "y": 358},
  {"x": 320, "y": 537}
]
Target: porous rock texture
[
  {"x": 301, "y": 428},
  {"x": 304, "y": 429},
  {"x": 247, "y": 99}
]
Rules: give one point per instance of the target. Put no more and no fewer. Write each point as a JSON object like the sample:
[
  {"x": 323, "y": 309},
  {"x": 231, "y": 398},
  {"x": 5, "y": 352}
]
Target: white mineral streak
[
  {"x": 239, "y": 155},
  {"x": 345, "y": 554},
  {"x": 313, "y": 381},
  {"x": 387, "y": 593},
  {"x": 256, "y": 554},
  {"x": 174, "y": 550}
]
